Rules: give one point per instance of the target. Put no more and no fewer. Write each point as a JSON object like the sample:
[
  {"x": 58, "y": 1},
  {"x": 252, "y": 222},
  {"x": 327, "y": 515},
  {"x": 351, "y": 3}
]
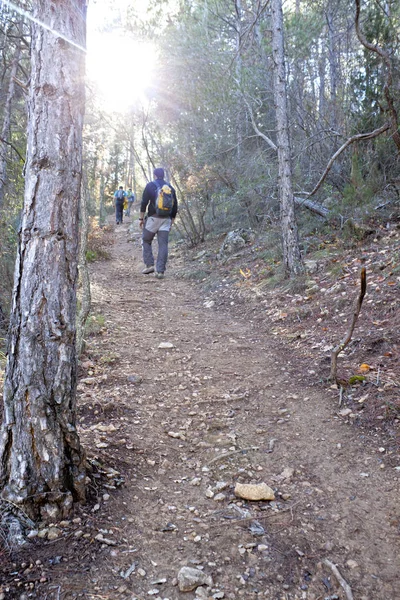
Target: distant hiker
[
  {"x": 119, "y": 198},
  {"x": 159, "y": 198},
  {"x": 130, "y": 196}
]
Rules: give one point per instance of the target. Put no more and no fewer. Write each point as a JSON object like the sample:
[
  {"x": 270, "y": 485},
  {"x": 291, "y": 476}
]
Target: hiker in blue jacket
[
  {"x": 119, "y": 197},
  {"x": 130, "y": 196},
  {"x": 158, "y": 222}
]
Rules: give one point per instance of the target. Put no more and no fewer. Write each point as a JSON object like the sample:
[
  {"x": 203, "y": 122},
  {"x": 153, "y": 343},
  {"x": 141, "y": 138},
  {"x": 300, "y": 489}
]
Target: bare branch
[
  {"x": 258, "y": 132},
  {"x": 354, "y": 138},
  {"x": 341, "y": 580},
  {"x": 340, "y": 347},
  {"x": 13, "y": 147}
]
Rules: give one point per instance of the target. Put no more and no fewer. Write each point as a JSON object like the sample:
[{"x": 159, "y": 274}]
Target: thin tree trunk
[
  {"x": 333, "y": 62},
  {"x": 42, "y": 464},
  {"x": 291, "y": 250},
  {"x": 102, "y": 216},
  {"x": 322, "y": 82},
  {"x": 5, "y": 129},
  {"x": 238, "y": 74}
]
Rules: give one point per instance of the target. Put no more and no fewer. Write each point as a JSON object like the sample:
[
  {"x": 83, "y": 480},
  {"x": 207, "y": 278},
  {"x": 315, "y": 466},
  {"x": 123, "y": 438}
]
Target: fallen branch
[
  {"x": 314, "y": 207},
  {"x": 340, "y": 347},
  {"x": 227, "y": 454},
  {"x": 345, "y": 586},
  {"x": 258, "y": 517}
]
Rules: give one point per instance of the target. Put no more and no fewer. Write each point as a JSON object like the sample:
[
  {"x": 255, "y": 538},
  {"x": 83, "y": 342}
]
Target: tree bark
[
  {"x": 84, "y": 278},
  {"x": 42, "y": 466},
  {"x": 291, "y": 250}
]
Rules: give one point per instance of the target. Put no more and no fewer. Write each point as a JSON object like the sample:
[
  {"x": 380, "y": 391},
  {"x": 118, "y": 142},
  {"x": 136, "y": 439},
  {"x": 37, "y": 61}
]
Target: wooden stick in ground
[
  {"x": 340, "y": 347},
  {"x": 345, "y": 586}
]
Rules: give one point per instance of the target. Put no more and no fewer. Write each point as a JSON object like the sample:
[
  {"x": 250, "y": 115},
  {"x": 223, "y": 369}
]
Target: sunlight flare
[{"x": 121, "y": 68}]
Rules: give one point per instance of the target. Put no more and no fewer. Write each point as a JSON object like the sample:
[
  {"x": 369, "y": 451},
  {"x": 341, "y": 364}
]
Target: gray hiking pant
[{"x": 161, "y": 227}]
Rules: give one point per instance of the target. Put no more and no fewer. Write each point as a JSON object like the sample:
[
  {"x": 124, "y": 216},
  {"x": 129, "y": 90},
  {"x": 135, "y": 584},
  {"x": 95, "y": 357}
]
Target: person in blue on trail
[
  {"x": 159, "y": 199},
  {"x": 119, "y": 197}
]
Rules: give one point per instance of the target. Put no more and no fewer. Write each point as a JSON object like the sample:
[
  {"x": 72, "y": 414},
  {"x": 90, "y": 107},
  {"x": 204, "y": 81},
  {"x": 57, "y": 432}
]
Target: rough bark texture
[
  {"x": 41, "y": 460},
  {"x": 84, "y": 279},
  {"x": 291, "y": 250}
]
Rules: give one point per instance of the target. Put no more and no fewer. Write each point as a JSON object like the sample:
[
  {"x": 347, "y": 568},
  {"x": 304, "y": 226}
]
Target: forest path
[{"x": 164, "y": 417}]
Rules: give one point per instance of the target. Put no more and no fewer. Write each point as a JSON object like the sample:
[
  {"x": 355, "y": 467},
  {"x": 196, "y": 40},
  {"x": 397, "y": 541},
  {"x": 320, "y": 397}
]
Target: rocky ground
[{"x": 212, "y": 378}]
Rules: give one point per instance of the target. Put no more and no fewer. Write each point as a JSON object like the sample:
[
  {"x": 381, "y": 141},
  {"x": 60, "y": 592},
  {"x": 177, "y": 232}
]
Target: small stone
[
  {"x": 345, "y": 412},
  {"x": 105, "y": 428},
  {"x": 78, "y": 534},
  {"x": 32, "y": 534},
  {"x": 219, "y": 497},
  {"x": 141, "y": 572},
  {"x": 43, "y": 533},
  {"x": 209, "y": 493},
  {"x": 166, "y": 345},
  {"x": 104, "y": 540},
  {"x": 352, "y": 564},
  {"x": 287, "y": 473},
  {"x": 221, "y": 485},
  {"x": 254, "y": 491},
  {"x": 100, "y": 445},
  {"x": 176, "y": 435},
  {"x": 53, "y": 533},
  {"x": 135, "y": 379},
  {"x": 190, "y": 578},
  {"x": 262, "y": 547},
  {"x": 195, "y": 481}
]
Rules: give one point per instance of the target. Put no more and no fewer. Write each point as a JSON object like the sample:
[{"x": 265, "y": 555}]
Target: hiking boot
[
  {"x": 147, "y": 270},
  {"x": 159, "y": 275}
]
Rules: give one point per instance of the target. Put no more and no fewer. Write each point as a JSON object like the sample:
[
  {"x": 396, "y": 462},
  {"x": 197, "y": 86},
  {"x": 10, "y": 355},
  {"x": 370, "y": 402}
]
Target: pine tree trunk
[
  {"x": 291, "y": 250},
  {"x": 42, "y": 466}
]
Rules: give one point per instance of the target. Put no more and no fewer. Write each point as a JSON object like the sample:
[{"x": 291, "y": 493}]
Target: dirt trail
[{"x": 226, "y": 385}]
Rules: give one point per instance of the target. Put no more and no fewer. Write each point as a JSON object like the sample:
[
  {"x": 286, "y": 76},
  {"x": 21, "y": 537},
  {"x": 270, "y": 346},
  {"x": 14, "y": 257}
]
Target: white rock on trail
[
  {"x": 254, "y": 491},
  {"x": 166, "y": 345},
  {"x": 287, "y": 473},
  {"x": 190, "y": 578}
]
